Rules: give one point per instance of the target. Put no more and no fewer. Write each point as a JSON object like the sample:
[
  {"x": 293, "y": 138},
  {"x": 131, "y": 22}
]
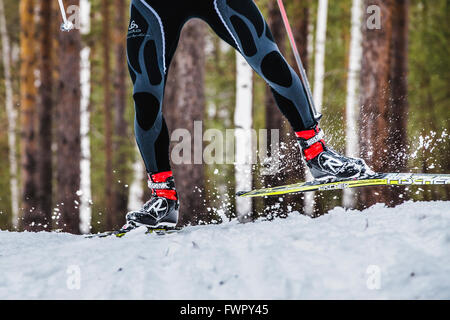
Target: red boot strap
[
  {"x": 160, "y": 176},
  {"x": 307, "y": 134},
  {"x": 313, "y": 151},
  {"x": 168, "y": 194}
]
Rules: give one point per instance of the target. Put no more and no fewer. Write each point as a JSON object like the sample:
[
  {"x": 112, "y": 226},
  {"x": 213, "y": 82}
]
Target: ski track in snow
[{"x": 293, "y": 258}]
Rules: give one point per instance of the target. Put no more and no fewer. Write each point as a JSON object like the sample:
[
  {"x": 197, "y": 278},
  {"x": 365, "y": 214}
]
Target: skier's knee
[
  {"x": 250, "y": 11},
  {"x": 147, "y": 109},
  {"x": 245, "y": 35}
]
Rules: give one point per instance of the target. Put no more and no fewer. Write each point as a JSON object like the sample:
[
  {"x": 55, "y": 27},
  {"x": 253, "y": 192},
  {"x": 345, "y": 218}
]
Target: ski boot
[
  {"x": 325, "y": 163},
  {"x": 161, "y": 211}
]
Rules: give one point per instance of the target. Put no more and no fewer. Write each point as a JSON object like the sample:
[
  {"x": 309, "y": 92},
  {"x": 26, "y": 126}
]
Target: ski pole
[
  {"x": 303, "y": 76},
  {"x": 66, "y": 26}
]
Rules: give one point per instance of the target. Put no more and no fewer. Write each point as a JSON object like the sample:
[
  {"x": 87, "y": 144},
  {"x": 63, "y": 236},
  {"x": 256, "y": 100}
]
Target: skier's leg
[
  {"x": 147, "y": 67},
  {"x": 150, "y": 48},
  {"x": 240, "y": 23}
]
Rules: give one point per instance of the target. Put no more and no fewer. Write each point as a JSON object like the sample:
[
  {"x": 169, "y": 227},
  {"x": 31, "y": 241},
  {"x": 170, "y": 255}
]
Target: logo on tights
[{"x": 133, "y": 25}]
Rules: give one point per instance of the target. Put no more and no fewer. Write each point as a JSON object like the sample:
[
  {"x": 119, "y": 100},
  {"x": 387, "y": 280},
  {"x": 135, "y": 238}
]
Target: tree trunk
[
  {"x": 85, "y": 164},
  {"x": 185, "y": 103},
  {"x": 398, "y": 113},
  {"x": 68, "y": 130},
  {"x": 319, "y": 78},
  {"x": 300, "y": 11},
  {"x": 243, "y": 120},
  {"x": 45, "y": 115},
  {"x": 12, "y": 117},
  {"x": 383, "y": 119},
  {"x": 113, "y": 219},
  {"x": 274, "y": 119},
  {"x": 120, "y": 125},
  {"x": 351, "y": 109},
  {"x": 319, "y": 65},
  {"x": 136, "y": 189},
  {"x": 295, "y": 165},
  {"x": 374, "y": 116},
  {"x": 31, "y": 221}
]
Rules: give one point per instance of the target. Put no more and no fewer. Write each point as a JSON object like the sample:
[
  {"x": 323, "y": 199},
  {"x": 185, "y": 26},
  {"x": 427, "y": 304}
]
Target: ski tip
[{"x": 241, "y": 193}]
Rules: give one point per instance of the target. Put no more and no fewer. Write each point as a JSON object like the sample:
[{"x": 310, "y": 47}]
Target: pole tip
[{"x": 67, "y": 26}]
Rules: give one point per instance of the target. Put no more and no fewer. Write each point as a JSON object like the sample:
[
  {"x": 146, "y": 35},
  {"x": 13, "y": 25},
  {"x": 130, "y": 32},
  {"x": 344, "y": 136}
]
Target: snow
[{"x": 379, "y": 253}]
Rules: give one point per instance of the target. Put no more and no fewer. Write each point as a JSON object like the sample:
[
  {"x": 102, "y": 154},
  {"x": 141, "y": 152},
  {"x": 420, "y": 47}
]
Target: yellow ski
[{"x": 379, "y": 179}]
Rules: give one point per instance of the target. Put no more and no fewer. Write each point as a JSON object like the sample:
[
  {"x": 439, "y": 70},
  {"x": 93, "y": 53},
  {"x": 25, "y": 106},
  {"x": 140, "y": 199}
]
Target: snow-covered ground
[{"x": 380, "y": 253}]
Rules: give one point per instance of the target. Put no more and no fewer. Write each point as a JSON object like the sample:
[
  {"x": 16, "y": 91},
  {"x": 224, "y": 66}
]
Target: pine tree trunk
[
  {"x": 374, "y": 116},
  {"x": 28, "y": 95},
  {"x": 398, "y": 113},
  {"x": 383, "y": 119},
  {"x": 120, "y": 124},
  {"x": 274, "y": 119},
  {"x": 295, "y": 165},
  {"x": 68, "y": 130},
  {"x": 113, "y": 219},
  {"x": 184, "y": 104},
  {"x": 301, "y": 11},
  {"x": 11, "y": 115},
  {"x": 45, "y": 115}
]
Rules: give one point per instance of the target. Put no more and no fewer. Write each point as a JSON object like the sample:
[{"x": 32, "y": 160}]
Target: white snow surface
[{"x": 379, "y": 253}]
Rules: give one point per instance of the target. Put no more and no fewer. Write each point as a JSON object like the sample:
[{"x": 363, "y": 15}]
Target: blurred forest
[{"x": 70, "y": 160}]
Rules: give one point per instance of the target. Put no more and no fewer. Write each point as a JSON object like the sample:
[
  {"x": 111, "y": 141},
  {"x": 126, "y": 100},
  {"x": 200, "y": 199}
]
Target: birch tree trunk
[
  {"x": 319, "y": 74},
  {"x": 85, "y": 163},
  {"x": 352, "y": 100},
  {"x": 68, "y": 129},
  {"x": 243, "y": 120},
  {"x": 319, "y": 65},
  {"x": 28, "y": 95},
  {"x": 136, "y": 190},
  {"x": 12, "y": 117}
]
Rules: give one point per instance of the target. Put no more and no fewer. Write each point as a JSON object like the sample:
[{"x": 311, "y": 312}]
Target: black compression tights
[{"x": 153, "y": 35}]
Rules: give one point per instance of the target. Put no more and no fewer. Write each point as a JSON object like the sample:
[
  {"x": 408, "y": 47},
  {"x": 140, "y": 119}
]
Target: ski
[
  {"x": 120, "y": 233},
  {"x": 378, "y": 179}
]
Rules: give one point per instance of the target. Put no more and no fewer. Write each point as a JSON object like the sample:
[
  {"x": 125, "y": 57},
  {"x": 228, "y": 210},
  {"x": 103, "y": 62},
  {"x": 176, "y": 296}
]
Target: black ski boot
[
  {"x": 325, "y": 163},
  {"x": 161, "y": 211}
]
